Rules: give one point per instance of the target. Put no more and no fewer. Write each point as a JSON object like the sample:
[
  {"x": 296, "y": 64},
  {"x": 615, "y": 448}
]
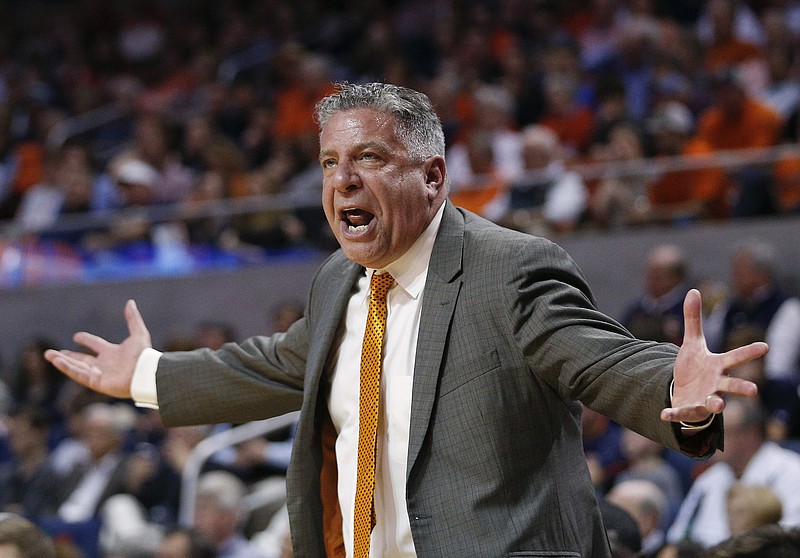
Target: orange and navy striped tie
[{"x": 371, "y": 358}]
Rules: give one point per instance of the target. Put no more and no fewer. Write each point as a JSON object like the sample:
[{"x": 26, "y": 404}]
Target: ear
[{"x": 435, "y": 174}]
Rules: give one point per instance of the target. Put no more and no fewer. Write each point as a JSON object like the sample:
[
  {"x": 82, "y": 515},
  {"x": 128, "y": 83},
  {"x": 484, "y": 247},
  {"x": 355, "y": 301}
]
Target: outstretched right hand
[{"x": 109, "y": 369}]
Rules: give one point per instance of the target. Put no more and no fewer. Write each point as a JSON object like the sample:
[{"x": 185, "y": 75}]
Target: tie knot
[{"x": 380, "y": 285}]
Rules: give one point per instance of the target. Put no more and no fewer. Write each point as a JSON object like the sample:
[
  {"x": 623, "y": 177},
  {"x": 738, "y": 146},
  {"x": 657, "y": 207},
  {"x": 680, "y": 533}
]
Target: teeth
[{"x": 360, "y": 228}]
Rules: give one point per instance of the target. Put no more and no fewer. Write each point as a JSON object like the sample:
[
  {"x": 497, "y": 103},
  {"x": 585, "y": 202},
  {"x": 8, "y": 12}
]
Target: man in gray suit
[{"x": 493, "y": 342}]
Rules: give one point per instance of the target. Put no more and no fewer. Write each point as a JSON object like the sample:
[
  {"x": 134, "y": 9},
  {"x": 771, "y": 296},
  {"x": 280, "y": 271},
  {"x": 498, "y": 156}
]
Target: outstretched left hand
[{"x": 700, "y": 376}]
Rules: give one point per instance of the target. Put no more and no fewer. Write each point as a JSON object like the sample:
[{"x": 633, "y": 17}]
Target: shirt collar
[{"x": 411, "y": 269}]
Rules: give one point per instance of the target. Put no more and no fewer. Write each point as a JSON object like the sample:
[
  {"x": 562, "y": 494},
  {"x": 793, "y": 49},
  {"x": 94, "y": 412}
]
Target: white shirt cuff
[{"x": 143, "y": 383}]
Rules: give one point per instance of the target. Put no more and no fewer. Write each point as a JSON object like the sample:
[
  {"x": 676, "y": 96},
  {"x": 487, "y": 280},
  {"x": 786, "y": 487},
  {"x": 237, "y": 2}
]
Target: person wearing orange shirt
[
  {"x": 726, "y": 48},
  {"x": 678, "y": 195},
  {"x": 787, "y": 170},
  {"x": 737, "y": 121}
]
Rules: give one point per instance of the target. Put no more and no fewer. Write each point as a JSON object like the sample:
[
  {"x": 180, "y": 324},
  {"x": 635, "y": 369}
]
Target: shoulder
[
  {"x": 780, "y": 459},
  {"x": 518, "y": 260},
  {"x": 482, "y": 233}
]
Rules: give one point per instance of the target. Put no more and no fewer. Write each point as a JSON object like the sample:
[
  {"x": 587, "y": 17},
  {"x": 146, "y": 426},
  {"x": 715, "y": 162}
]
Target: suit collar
[{"x": 448, "y": 250}]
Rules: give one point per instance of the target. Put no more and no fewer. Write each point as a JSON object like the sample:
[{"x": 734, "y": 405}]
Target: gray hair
[
  {"x": 119, "y": 418},
  {"x": 226, "y": 489},
  {"x": 416, "y": 122}
]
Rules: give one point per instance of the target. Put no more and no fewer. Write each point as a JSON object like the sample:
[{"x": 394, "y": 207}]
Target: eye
[{"x": 369, "y": 156}]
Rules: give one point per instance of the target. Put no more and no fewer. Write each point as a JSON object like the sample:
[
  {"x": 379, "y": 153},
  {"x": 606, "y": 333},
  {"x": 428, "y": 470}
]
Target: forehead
[{"x": 358, "y": 126}]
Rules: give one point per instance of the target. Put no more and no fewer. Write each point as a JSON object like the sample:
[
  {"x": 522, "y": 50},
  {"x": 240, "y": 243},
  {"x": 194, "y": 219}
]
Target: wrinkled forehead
[{"x": 359, "y": 127}]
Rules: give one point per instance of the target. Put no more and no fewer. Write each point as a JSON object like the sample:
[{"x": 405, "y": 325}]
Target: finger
[
  {"x": 83, "y": 357},
  {"x": 740, "y": 355},
  {"x": 136, "y": 325},
  {"x": 714, "y": 404},
  {"x": 688, "y": 413},
  {"x": 692, "y": 315},
  {"x": 737, "y": 386},
  {"x": 91, "y": 341},
  {"x": 76, "y": 369}
]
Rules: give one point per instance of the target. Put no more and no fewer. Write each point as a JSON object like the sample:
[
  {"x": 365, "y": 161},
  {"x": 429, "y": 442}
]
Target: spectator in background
[
  {"x": 214, "y": 334},
  {"x": 135, "y": 182},
  {"x": 786, "y": 172},
  {"x": 546, "y": 196},
  {"x": 283, "y": 315},
  {"x": 646, "y": 504},
  {"x": 749, "y": 507},
  {"x": 681, "y": 549},
  {"x": 658, "y": 313},
  {"x": 565, "y": 113},
  {"x": 155, "y": 143},
  {"x": 20, "y": 538},
  {"x": 736, "y": 121},
  {"x": 485, "y": 190},
  {"x": 675, "y": 196},
  {"x": 749, "y": 459},
  {"x": 622, "y": 531},
  {"x": 37, "y": 382},
  {"x": 90, "y": 484},
  {"x": 635, "y": 62},
  {"x": 602, "y": 444},
  {"x": 645, "y": 461},
  {"x": 29, "y": 485},
  {"x": 41, "y": 203},
  {"x": 610, "y": 110},
  {"x": 222, "y": 176},
  {"x": 492, "y": 115},
  {"x": 779, "y": 395},
  {"x": 220, "y": 514},
  {"x": 758, "y": 301},
  {"x": 620, "y": 198},
  {"x": 71, "y": 186},
  {"x": 782, "y": 92},
  {"x": 726, "y": 45},
  {"x": 769, "y": 541},
  {"x": 306, "y": 79},
  {"x": 183, "y": 542},
  {"x": 599, "y": 39}
]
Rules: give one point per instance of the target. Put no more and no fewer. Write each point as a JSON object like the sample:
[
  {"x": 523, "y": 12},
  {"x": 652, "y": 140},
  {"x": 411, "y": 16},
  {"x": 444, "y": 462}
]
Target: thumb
[{"x": 136, "y": 326}]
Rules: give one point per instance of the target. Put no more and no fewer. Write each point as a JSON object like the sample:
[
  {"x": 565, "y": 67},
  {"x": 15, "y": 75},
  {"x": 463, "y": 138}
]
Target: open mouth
[{"x": 357, "y": 220}]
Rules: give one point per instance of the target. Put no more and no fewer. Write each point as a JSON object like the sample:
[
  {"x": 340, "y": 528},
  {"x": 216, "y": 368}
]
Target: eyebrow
[{"x": 357, "y": 148}]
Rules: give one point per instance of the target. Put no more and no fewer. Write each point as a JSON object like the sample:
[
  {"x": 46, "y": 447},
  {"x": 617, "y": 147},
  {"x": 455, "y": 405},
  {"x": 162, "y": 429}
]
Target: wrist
[{"x": 695, "y": 425}]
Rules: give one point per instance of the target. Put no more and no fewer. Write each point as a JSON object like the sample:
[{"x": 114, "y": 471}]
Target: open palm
[
  {"x": 700, "y": 376},
  {"x": 109, "y": 368}
]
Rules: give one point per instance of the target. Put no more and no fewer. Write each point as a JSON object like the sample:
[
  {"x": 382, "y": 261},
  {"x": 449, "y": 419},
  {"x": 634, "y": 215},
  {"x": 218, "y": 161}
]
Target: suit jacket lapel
[
  {"x": 439, "y": 300},
  {"x": 330, "y": 312}
]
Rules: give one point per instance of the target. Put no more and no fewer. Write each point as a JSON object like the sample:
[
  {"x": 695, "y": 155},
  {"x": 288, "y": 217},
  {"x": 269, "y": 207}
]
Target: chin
[{"x": 359, "y": 256}]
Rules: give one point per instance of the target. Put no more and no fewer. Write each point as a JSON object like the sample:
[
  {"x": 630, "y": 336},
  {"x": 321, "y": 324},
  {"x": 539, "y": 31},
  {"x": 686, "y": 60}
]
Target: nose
[{"x": 344, "y": 177}]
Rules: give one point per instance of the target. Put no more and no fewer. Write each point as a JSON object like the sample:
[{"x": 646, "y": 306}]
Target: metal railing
[
  {"x": 212, "y": 444},
  {"x": 647, "y": 167}
]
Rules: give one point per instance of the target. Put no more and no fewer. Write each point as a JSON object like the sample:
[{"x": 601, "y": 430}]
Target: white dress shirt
[
  {"x": 391, "y": 537},
  {"x": 81, "y": 504},
  {"x": 703, "y": 515}
]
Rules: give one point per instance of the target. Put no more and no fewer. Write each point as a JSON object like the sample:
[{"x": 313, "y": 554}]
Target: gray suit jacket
[{"x": 509, "y": 342}]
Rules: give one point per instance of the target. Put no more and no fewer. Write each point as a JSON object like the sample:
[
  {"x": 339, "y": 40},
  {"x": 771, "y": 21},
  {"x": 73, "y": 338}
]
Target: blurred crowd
[
  {"x": 104, "y": 479},
  {"x": 152, "y": 128},
  {"x": 171, "y": 130}
]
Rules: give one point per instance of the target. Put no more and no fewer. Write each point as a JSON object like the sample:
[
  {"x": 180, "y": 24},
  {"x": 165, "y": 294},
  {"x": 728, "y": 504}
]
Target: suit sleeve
[
  {"x": 260, "y": 378},
  {"x": 587, "y": 356}
]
